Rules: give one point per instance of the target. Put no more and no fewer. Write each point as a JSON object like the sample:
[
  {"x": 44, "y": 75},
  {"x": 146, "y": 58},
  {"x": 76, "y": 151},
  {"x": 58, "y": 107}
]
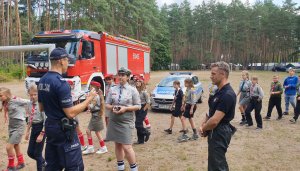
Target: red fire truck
[{"x": 93, "y": 55}]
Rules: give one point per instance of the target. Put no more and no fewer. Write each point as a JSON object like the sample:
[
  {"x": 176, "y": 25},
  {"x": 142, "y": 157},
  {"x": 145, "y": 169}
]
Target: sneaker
[
  {"x": 84, "y": 148},
  {"x": 258, "y": 128},
  {"x": 10, "y": 169},
  {"x": 182, "y": 131},
  {"x": 267, "y": 118},
  {"x": 102, "y": 150},
  {"x": 195, "y": 136},
  {"x": 279, "y": 118},
  {"x": 183, "y": 138},
  {"x": 169, "y": 131},
  {"x": 89, "y": 150},
  {"x": 20, "y": 166},
  {"x": 285, "y": 113},
  {"x": 293, "y": 120}
]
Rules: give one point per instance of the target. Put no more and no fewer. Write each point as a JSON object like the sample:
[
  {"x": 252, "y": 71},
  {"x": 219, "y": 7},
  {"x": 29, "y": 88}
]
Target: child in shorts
[
  {"x": 176, "y": 106},
  {"x": 189, "y": 107},
  {"x": 96, "y": 108},
  {"x": 14, "y": 113}
]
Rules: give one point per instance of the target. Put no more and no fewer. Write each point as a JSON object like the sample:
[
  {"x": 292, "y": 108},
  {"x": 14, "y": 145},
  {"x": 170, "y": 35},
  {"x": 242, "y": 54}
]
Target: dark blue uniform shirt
[
  {"x": 224, "y": 100},
  {"x": 55, "y": 94},
  {"x": 178, "y": 97}
]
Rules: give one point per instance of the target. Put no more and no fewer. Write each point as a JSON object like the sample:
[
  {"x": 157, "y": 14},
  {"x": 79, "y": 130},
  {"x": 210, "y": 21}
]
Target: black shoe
[
  {"x": 285, "y": 113},
  {"x": 169, "y": 131},
  {"x": 147, "y": 136},
  {"x": 248, "y": 125},
  {"x": 182, "y": 131},
  {"x": 267, "y": 118},
  {"x": 233, "y": 130},
  {"x": 243, "y": 122},
  {"x": 138, "y": 143},
  {"x": 279, "y": 118}
]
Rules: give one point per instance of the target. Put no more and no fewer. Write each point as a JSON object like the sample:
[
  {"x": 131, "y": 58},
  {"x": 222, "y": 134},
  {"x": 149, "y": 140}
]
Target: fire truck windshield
[{"x": 42, "y": 55}]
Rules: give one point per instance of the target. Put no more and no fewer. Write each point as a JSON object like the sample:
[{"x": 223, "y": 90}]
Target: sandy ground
[{"x": 276, "y": 147}]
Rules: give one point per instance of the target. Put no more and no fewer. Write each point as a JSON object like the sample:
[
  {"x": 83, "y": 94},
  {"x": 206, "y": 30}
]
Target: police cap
[{"x": 59, "y": 53}]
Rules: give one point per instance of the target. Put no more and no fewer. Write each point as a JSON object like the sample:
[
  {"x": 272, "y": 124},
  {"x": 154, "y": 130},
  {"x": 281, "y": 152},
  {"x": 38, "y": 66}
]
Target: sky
[{"x": 198, "y": 2}]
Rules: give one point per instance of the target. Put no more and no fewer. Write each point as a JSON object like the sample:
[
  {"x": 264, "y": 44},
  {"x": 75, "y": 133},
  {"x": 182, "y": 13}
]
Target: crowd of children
[{"x": 17, "y": 110}]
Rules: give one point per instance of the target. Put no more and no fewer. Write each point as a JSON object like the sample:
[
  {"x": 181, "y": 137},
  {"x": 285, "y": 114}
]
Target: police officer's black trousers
[
  {"x": 297, "y": 110},
  {"x": 61, "y": 153},
  {"x": 35, "y": 149},
  {"x": 256, "y": 105},
  {"x": 218, "y": 142},
  {"x": 275, "y": 101},
  {"x": 139, "y": 119}
]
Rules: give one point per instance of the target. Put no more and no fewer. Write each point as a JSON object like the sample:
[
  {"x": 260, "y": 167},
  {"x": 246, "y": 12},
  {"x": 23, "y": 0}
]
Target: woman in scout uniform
[
  {"x": 121, "y": 102},
  {"x": 244, "y": 88}
]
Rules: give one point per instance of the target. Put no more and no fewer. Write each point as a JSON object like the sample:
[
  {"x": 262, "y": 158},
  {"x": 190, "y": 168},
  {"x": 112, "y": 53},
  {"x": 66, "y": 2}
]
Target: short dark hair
[
  {"x": 176, "y": 82},
  {"x": 222, "y": 66}
]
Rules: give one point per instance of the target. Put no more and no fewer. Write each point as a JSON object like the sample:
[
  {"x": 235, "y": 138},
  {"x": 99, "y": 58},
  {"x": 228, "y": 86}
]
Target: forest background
[{"x": 239, "y": 33}]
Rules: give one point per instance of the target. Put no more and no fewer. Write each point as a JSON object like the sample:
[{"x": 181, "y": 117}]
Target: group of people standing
[
  {"x": 51, "y": 115},
  {"x": 251, "y": 96}
]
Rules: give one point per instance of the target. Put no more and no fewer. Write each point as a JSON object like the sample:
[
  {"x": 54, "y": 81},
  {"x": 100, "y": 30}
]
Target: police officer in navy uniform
[
  {"x": 216, "y": 124},
  {"x": 54, "y": 96}
]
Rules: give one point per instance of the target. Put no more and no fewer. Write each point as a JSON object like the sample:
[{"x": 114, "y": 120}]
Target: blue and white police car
[{"x": 163, "y": 94}]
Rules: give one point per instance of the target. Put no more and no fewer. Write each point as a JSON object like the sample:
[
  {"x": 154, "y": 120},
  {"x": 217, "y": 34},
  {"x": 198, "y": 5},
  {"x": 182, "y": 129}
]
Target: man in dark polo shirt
[{"x": 216, "y": 124}]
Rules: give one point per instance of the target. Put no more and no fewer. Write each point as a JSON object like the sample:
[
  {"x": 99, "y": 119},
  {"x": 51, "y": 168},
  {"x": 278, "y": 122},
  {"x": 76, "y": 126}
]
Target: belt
[{"x": 36, "y": 123}]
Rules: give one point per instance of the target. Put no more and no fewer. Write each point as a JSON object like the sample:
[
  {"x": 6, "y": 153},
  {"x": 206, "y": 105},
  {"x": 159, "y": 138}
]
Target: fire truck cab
[{"x": 94, "y": 54}]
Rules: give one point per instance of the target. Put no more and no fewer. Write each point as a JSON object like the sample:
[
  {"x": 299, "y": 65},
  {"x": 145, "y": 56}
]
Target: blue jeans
[
  {"x": 35, "y": 149},
  {"x": 289, "y": 99}
]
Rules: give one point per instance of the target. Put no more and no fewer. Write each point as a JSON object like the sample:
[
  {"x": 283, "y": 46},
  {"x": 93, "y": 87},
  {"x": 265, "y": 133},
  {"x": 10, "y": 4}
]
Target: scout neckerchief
[
  {"x": 252, "y": 89},
  {"x": 273, "y": 86},
  {"x": 5, "y": 107},
  {"x": 32, "y": 113},
  {"x": 243, "y": 85}
]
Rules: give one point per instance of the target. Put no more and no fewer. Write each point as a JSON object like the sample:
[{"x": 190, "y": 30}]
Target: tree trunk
[
  {"x": 18, "y": 24},
  {"x": 29, "y": 16},
  {"x": 8, "y": 22},
  {"x": 2, "y": 23},
  {"x": 65, "y": 15},
  {"x": 47, "y": 14},
  {"x": 58, "y": 14}
]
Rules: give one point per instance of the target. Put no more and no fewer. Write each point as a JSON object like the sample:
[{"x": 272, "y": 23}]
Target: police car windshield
[{"x": 168, "y": 82}]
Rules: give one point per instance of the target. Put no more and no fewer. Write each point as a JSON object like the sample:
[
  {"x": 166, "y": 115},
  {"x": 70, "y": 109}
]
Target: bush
[{"x": 189, "y": 64}]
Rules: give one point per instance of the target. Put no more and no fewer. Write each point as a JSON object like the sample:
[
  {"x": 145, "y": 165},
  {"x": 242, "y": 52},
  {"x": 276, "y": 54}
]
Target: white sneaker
[
  {"x": 89, "y": 150},
  {"x": 83, "y": 148},
  {"x": 102, "y": 150}
]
